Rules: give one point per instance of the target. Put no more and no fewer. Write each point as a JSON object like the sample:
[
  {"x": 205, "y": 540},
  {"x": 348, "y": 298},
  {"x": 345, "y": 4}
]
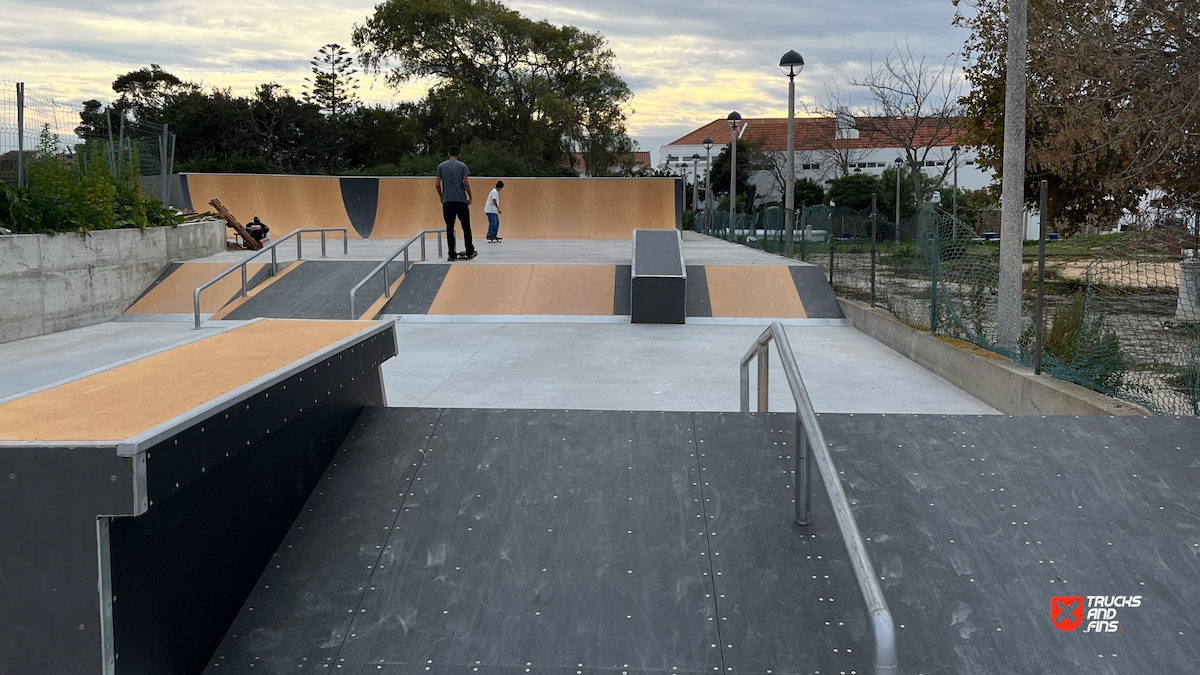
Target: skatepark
[{"x": 345, "y": 454}]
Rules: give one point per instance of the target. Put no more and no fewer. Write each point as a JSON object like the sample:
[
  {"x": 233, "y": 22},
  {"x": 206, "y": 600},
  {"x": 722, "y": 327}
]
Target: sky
[{"x": 687, "y": 63}]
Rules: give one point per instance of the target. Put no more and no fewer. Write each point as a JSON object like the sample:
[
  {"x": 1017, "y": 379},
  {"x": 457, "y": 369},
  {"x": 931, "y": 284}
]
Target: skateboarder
[
  {"x": 492, "y": 209},
  {"x": 455, "y": 190}
]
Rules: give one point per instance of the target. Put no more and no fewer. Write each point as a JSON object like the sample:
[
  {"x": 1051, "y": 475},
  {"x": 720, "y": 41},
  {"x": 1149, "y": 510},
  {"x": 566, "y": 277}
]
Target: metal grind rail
[
  {"x": 387, "y": 287},
  {"x": 298, "y": 234},
  {"x": 811, "y": 441}
]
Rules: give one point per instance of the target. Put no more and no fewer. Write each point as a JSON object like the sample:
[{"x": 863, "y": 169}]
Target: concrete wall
[
  {"x": 53, "y": 283},
  {"x": 993, "y": 379}
]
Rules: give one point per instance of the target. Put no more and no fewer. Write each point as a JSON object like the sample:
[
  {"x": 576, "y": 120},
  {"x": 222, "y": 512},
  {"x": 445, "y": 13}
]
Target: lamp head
[
  {"x": 695, "y": 157},
  {"x": 708, "y": 144},
  {"x": 899, "y": 161},
  {"x": 791, "y": 64},
  {"x": 956, "y": 149},
  {"x": 734, "y": 118}
]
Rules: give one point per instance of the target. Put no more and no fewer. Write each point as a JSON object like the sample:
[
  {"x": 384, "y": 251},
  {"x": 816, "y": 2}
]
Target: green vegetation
[
  {"x": 520, "y": 97},
  {"x": 79, "y": 193},
  {"x": 1083, "y": 349}
]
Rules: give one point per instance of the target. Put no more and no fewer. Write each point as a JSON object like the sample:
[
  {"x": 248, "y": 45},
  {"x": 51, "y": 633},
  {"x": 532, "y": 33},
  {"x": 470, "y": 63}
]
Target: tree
[
  {"x": 92, "y": 121},
  {"x": 332, "y": 86},
  {"x": 776, "y": 165},
  {"x": 1112, "y": 109},
  {"x": 144, "y": 93},
  {"x": 838, "y": 150},
  {"x": 546, "y": 90},
  {"x": 855, "y": 191},
  {"x": 908, "y": 200},
  {"x": 914, "y": 106},
  {"x": 749, "y": 160},
  {"x": 809, "y": 193}
]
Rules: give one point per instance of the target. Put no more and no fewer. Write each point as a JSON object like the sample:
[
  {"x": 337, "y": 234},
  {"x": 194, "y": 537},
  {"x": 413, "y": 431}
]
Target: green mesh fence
[{"x": 1121, "y": 311}]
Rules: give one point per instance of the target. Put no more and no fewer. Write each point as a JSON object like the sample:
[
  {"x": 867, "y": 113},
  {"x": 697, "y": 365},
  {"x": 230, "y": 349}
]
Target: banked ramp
[{"x": 500, "y": 541}]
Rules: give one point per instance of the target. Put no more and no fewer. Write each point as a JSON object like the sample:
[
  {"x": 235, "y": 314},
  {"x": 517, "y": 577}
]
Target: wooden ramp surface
[
  {"x": 174, "y": 292},
  {"x": 120, "y": 403},
  {"x": 533, "y": 208},
  {"x": 526, "y": 289}
]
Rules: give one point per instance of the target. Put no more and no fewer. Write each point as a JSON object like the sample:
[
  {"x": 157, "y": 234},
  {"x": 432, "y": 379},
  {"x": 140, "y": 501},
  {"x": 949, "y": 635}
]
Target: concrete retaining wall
[
  {"x": 53, "y": 283},
  {"x": 993, "y": 379}
]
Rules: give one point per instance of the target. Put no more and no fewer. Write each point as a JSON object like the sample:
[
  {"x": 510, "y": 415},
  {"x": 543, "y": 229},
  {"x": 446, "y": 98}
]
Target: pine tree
[{"x": 333, "y": 85}]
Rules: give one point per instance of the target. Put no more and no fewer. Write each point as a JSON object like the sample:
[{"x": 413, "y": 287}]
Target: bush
[
  {"x": 1079, "y": 342},
  {"x": 78, "y": 193}
]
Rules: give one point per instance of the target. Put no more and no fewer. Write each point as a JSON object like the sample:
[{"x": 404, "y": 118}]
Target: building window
[{"x": 970, "y": 162}]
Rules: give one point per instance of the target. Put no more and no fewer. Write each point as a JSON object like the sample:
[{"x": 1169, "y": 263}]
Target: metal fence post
[
  {"x": 874, "y": 219},
  {"x": 1041, "y": 283},
  {"x": 164, "y": 189},
  {"x": 274, "y": 263},
  {"x": 439, "y": 244},
  {"x": 299, "y": 246},
  {"x": 803, "y": 477},
  {"x": 423, "y": 247},
  {"x": 935, "y": 264},
  {"x": 322, "y": 243},
  {"x": 764, "y": 377},
  {"x": 20, "y": 134},
  {"x": 244, "y": 289}
]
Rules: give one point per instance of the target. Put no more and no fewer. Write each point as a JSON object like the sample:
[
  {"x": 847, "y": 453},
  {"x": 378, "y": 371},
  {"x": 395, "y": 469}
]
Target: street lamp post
[
  {"x": 896, "y": 234},
  {"x": 734, "y": 118},
  {"x": 695, "y": 187},
  {"x": 708, "y": 146},
  {"x": 954, "y": 153},
  {"x": 791, "y": 64}
]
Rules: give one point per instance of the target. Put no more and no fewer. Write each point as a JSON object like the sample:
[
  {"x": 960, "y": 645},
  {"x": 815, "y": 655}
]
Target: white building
[{"x": 828, "y": 148}]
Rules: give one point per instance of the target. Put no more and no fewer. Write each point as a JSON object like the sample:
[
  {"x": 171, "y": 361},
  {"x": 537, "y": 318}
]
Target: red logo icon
[{"x": 1066, "y": 611}]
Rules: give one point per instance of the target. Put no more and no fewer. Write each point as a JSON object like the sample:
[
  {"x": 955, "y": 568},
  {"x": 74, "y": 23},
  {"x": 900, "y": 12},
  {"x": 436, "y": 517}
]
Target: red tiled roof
[
  {"x": 817, "y": 133},
  {"x": 640, "y": 159}
]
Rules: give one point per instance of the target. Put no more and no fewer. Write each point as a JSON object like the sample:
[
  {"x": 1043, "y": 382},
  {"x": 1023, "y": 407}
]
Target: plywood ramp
[
  {"x": 533, "y": 208},
  {"x": 174, "y": 295},
  {"x": 127, "y": 400},
  {"x": 284, "y": 203},
  {"x": 753, "y": 291},
  {"x": 579, "y": 290}
]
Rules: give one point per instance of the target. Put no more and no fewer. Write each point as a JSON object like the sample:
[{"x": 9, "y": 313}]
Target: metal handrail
[
  {"x": 387, "y": 291},
  {"x": 298, "y": 234},
  {"x": 809, "y": 437}
]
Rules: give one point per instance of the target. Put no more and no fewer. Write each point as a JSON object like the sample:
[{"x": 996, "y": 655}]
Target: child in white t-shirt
[{"x": 492, "y": 210}]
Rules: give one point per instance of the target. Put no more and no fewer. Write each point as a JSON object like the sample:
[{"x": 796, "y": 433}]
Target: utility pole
[{"x": 1012, "y": 207}]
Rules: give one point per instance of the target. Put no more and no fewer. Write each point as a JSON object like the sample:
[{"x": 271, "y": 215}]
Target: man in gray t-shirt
[{"x": 454, "y": 188}]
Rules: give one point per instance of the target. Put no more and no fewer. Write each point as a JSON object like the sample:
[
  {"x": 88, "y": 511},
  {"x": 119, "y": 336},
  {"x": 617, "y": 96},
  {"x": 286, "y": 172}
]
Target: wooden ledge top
[{"x": 122, "y": 402}]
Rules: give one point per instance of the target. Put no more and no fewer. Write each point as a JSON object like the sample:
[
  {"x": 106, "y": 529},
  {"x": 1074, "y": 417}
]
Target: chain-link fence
[
  {"x": 28, "y": 120},
  {"x": 24, "y": 116},
  {"x": 1121, "y": 311}
]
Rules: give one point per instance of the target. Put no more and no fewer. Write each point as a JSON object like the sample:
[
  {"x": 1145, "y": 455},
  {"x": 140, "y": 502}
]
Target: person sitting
[{"x": 258, "y": 229}]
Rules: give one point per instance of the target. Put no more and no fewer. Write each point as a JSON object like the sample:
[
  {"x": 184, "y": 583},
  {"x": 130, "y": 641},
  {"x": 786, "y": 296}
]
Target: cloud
[{"x": 686, "y": 62}]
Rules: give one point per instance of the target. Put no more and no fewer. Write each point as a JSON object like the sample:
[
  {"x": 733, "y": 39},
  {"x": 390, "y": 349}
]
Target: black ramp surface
[
  {"x": 316, "y": 289},
  {"x": 360, "y": 196},
  {"x": 773, "y": 588},
  {"x": 656, "y": 253},
  {"x": 415, "y": 295},
  {"x": 549, "y": 539},
  {"x": 815, "y": 293},
  {"x": 187, "y": 193},
  {"x": 299, "y": 611},
  {"x": 976, "y": 522},
  {"x": 621, "y": 290},
  {"x": 698, "y": 303}
]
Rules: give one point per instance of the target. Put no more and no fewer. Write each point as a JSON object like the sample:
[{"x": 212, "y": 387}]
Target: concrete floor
[
  {"x": 698, "y": 249},
  {"x": 545, "y": 365},
  {"x": 34, "y": 363}
]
